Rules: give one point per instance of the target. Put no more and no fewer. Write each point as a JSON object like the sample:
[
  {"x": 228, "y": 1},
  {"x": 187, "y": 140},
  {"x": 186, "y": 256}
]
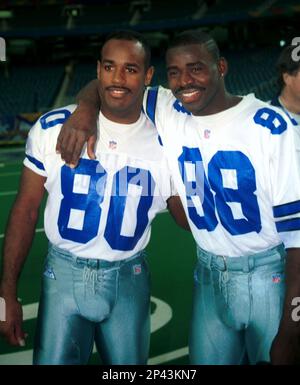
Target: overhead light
[{"x": 282, "y": 43}]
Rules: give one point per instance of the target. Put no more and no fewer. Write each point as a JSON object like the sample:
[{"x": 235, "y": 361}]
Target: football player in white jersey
[
  {"x": 98, "y": 221},
  {"x": 235, "y": 167}
]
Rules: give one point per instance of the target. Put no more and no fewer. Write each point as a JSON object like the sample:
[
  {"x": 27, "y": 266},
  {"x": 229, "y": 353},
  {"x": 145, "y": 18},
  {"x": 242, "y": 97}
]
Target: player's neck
[
  {"x": 231, "y": 100},
  {"x": 226, "y": 101},
  {"x": 289, "y": 101},
  {"x": 221, "y": 101},
  {"x": 121, "y": 117}
]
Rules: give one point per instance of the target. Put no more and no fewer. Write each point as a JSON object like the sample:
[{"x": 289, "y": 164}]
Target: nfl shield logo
[
  {"x": 137, "y": 269},
  {"x": 112, "y": 145},
  {"x": 276, "y": 278},
  {"x": 206, "y": 134}
]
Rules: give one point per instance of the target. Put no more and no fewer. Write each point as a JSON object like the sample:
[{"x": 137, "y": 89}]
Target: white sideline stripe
[
  {"x": 41, "y": 230},
  {"x": 7, "y": 164},
  {"x": 19, "y": 358},
  {"x": 6, "y": 193},
  {"x": 30, "y": 311},
  {"x": 10, "y": 173}
]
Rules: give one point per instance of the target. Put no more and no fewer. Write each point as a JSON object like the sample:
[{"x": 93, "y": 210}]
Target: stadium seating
[
  {"x": 29, "y": 89},
  {"x": 83, "y": 73},
  {"x": 252, "y": 71}
]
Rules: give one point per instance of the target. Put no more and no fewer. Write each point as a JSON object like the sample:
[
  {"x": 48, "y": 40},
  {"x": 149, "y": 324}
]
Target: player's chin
[
  {"x": 193, "y": 105},
  {"x": 119, "y": 104}
]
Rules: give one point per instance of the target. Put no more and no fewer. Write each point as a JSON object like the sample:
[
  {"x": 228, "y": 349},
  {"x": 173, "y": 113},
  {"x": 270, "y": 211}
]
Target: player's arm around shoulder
[{"x": 81, "y": 126}]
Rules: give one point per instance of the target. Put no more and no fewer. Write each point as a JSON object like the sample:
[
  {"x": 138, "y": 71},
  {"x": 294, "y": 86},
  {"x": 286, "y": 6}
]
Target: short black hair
[
  {"x": 286, "y": 64},
  {"x": 131, "y": 36},
  {"x": 196, "y": 37}
]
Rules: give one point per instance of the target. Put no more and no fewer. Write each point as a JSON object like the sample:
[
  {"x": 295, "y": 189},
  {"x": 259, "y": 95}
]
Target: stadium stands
[
  {"x": 29, "y": 89},
  {"x": 83, "y": 73},
  {"x": 32, "y": 89},
  {"x": 67, "y": 33},
  {"x": 252, "y": 71}
]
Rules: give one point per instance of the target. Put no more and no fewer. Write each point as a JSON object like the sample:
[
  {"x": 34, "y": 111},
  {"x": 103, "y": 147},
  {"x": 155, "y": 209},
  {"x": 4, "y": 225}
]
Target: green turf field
[{"x": 171, "y": 255}]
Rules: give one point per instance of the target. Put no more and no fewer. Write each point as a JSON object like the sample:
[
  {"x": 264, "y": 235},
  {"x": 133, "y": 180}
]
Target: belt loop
[
  {"x": 246, "y": 264},
  {"x": 224, "y": 261},
  {"x": 208, "y": 261},
  {"x": 282, "y": 251}
]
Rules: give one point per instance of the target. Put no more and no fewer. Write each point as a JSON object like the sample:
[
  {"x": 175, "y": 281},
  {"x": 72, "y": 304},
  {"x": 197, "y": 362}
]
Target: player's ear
[
  {"x": 222, "y": 66},
  {"x": 149, "y": 75},
  {"x": 98, "y": 69},
  {"x": 286, "y": 78}
]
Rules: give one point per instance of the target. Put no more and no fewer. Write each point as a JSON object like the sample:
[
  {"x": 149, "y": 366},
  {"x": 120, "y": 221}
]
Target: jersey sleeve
[
  {"x": 34, "y": 158},
  {"x": 42, "y": 138},
  {"x": 157, "y": 101},
  {"x": 285, "y": 180}
]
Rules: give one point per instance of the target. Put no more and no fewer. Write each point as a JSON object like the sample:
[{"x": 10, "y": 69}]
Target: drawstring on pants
[{"x": 90, "y": 275}]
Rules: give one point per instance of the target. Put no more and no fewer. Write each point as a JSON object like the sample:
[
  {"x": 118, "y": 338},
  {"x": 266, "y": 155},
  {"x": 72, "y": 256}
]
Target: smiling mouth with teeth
[
  {"x": 117, "y": 92},
  {"x": 191, "y": 95}
]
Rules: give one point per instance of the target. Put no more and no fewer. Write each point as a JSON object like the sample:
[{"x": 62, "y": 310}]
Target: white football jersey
[
  {"x": 237, "y": 173},
  {"x": 103, "y": 208}
]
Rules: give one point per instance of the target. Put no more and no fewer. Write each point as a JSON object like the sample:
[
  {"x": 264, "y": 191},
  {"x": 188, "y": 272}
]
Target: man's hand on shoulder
[{"x": 81, "y": 127}]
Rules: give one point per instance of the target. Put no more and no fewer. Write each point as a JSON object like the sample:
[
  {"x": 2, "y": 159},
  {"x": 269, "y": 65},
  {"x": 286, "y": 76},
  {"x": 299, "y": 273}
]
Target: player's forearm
[
  {"x": 288, "y": 322},
  {"x": 18, "y": 239},
  {"x": 88, "y": 97},
  {"x": 176, "y": 209}
]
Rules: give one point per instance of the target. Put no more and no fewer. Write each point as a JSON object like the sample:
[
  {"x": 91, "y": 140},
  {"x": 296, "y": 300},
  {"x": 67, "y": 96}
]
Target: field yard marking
[
  {"x": 6, "y": 193},
  {"x": 40, "y": 230},
  {"x": 162, "y": 314},
  {"x": 10, "y": 173},
  {"x": 30, "y": 311},
  {"x": 167, "y": 357}
]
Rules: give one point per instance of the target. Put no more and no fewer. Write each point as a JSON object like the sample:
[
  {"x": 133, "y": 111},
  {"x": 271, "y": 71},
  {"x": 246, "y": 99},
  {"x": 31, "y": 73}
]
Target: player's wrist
[
  {"x": 8, "y": 291},
  {"x": 88, "y": 106}
]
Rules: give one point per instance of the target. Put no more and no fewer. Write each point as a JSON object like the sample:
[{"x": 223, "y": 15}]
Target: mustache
[
  {"x": 189, "y": 88},
  {"x": 114, "y": 88}
]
